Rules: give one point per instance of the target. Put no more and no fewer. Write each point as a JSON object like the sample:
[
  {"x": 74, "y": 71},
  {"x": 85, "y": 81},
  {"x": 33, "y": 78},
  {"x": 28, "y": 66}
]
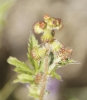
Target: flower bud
[
  {"x": 34, "y": 53},
  {"x": 58, "y": 23},
  {"x": 65, "y": 53},
  {"x": 39, "y": 27},
  {"x": 38, "y": 53},
  {"x": 46, "y": 18},
  {"x": 47, "y": 37},
  {"x": 53, "y": 23},
  {"x": 42, "y": 52},
  {"x": 55, "y": 46}
]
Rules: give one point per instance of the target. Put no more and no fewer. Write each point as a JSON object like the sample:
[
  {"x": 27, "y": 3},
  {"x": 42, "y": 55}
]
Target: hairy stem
[{"x": 44, "y": 80}]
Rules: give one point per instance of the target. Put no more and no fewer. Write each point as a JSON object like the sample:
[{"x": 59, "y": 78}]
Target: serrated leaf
[
  {"x": 20, "y": 66},
  {"x": 21, "y": 70},
  {"x": 33, "y": 40},
  {"x": 53, "y": 65},
  {"x": 32, "y": 43},
  {"x": 24, "y": 78},
  {"x": 34, "y": 91},
  {"x": 68, "y": 61},
  {"x": 55, "y": 75}
]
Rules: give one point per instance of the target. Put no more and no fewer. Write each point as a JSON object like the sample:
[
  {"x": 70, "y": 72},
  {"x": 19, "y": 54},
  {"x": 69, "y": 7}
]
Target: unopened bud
[
  {"x": 56, "y": 46},
  {"x": 38, "y": 53},
  {"x": 39, "y": 27}
]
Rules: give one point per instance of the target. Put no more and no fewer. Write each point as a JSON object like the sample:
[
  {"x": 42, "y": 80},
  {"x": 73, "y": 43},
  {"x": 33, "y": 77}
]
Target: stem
[{"x": 44, "y": 80}]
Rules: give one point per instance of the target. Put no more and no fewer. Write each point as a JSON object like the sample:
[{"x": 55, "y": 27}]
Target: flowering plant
[{"x": 43, "y": 58}]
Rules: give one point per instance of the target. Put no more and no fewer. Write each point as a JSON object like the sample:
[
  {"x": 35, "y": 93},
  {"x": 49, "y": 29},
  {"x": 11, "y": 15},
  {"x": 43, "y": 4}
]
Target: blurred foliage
[{"x": 4, "y": 8}]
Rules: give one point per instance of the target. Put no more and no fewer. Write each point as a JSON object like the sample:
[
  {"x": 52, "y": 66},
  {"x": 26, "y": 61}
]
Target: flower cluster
[{"x": 48, "y": 27}]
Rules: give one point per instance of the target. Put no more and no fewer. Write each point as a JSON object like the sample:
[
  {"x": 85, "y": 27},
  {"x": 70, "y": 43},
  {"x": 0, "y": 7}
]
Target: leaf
[
  {"x": 41, "y": 65},
  {"x": 21, "y": 67},
  {"x": 68, "y": 61},
  {"x": 55, "y": 75},
  {"x": 24, "y": 78},
  {"x": 32, "y": 43},
  {"x": 34, "y": 91},
  {"x": 34, "y": 95},
  {"x": 54, "y": 64}
]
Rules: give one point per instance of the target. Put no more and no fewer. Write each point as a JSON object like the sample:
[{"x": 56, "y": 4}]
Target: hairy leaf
[
  {"x": 20, "y": 66},
  {"x": 65, "y": 62},
  {"x": 55, "y": 75},
  {"x": 32, "y": 43},
  {"x": 24, "y": 78}
]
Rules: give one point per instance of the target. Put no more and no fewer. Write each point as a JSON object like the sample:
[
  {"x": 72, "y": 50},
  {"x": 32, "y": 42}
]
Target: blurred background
[{"x": 16, "y": 20}]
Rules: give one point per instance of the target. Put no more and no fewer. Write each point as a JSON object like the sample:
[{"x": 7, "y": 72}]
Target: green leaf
[
  {"x": 24, "y": 78},
  {"x": 21, "y": 67},
  {"x": 33, "y": 40},
  {"x": 34, "y": 95},
  {"x": 34, "y": 91},
  {"x": 41, "y": 65},
  {"x": 54, "y": 64},
  {"x": 68, "y": 61},
  {"x": 16, "y": 81},
  {"x": 55, "y": 75},
  {"x": 32, "y": 43}
]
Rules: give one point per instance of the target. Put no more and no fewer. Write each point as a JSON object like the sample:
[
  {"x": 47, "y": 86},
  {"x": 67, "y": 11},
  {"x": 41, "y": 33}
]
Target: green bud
[
  {"x": 38, "y": 53},
  {"x": 59, "y": 24},
  {"x": 47, "y": 36},
  {"x": 46, "y": 18},
  {"x": 53, "y": 23},
  {"x": 55, "y": 46},
  {"x": 39, "y": 27}
]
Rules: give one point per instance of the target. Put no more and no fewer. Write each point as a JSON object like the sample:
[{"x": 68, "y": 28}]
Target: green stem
[{"x": 44, "y": 80}]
